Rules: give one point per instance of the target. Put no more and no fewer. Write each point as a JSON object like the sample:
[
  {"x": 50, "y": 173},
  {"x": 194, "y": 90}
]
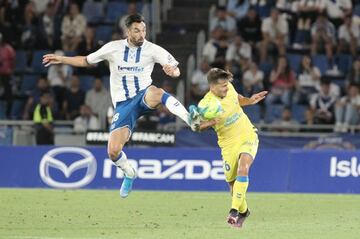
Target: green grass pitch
[{"x": 80, "y": 214}]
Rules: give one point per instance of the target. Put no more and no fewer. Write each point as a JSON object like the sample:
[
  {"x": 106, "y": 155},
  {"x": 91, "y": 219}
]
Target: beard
[{"x": 137, "y": 42}]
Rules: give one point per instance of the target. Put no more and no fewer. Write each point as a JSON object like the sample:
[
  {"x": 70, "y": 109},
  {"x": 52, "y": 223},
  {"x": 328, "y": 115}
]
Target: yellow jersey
[{"x": 234, "y": 125}]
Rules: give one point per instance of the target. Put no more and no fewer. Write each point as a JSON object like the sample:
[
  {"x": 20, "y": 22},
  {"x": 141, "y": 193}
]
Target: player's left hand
[
  {"x": 170, "y": 70},
  {"x": 255, "y": 98}
]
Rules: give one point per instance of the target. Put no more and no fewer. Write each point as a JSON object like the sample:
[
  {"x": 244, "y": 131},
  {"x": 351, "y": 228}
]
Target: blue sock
[
  {"x": 243, "y": 179},
  {"x": 164, "y": 98}
]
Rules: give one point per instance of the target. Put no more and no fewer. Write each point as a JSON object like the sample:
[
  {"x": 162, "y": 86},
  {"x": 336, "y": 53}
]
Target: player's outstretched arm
[
  {"x": 77, "y": 61},
  {"x": 254, "y": 99},
  {"x": 204, "y": 125},
  {"x": 172, "y": 71}
]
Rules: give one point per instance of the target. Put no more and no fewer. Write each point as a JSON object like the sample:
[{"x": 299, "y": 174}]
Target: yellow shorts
[{"x": 231, "y": 154}]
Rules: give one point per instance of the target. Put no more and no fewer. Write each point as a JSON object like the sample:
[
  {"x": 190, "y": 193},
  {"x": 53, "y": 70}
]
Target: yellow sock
[
  {"x": 243, "y": 207},
  {"x": 239, "y": 191}
]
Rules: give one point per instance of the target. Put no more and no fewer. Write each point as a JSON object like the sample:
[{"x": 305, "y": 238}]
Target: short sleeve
[
  {"x": 163, "y": 57},
  {"x": 100, "y": 55}
]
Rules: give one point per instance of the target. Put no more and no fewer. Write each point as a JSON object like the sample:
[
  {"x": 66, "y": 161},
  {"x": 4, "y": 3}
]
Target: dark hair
[
  {"x": 325, "y": 81},
  {"x": 133, "y": 18},
  {"x": 216, "y": 74}
]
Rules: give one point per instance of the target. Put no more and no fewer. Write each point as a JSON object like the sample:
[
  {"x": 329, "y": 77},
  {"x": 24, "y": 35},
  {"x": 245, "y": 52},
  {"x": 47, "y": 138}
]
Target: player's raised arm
[
  {"x": 204, "y": 125},
  {"x": 77, "y": 61},
  {"x": 254, "y": 99}
]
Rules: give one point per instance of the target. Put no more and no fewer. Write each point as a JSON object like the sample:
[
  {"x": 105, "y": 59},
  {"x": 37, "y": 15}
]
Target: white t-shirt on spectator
[
  {"x": 229, "y": 24},
  {"x": 268, "y": 26},
  {"x": 209, "y": 51},
  {"x": 54, "y": 75},
  {"x": 250, "y": 79},
  {"x": 335, "y": 8},
  {"x": 199, "y": 78},
  {"x": 345, "y": 34},
  {"x": 232, "y": 53},
  {"x": 306, "y": 80}
]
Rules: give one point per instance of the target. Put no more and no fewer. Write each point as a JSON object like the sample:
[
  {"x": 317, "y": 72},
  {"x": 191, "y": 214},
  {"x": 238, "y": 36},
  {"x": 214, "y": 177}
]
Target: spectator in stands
[
  {"x": 283, "y": 83},
  {"x": 43, "y": 119},
  {"x": 34, "y": 98},
  {"x": 323, "y": 34},
  {"x": 72, "y": 28},
  {"x": 349, "y": 36},
  {"x": 286, "y": 123},
  {"x": 48, "y": 24},
  {"x": 334, "y": 90},
  {"x": 322, "y": 104},
  {"x": 40, "y": 6},
  {"x": 337, "y": 10},
  {"x": 275, "y": 31},
  {"x": 308, "y": 78},
  {"x": 252, "y": 81},
  {"x": 29, "y": 28},
  {"x": 249, "y": 28},
  {"x": 223, "y": 20},
  {"x": 86, "y": 120},
  {"x": 347, "y": 109},
  {"x": 307, "y": 11},
  {"x": 74, "y": 98},
  {"x": 99, "y": 101},
  {"x": 59, "y": 77},
  {"x": 88, "y": 43},
  {"x": 214, "y": 50},
  {"x": 354, "y": 74},
  {"x": 199, "y": 82},
  {"x": 238, "y": 8},
  {"x": 7, "y": 65},
  {"x": 238, "y": 48},
  {"x": 120, "y": 25}
]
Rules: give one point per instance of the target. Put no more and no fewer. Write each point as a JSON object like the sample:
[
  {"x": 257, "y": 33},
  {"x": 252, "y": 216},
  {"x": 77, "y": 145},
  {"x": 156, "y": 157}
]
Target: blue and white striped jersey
[{"x": 130, "y": 67}]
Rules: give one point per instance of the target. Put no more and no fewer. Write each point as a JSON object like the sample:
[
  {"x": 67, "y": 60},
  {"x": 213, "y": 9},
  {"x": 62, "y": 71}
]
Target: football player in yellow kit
[{"x": 237, "y": 138}]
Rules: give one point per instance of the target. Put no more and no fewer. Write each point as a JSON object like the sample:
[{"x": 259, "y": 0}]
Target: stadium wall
[{"x": 277, "y": 170}]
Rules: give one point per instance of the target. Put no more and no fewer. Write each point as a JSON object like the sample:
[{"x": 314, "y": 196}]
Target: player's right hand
[{"x": 51, "y": 59}]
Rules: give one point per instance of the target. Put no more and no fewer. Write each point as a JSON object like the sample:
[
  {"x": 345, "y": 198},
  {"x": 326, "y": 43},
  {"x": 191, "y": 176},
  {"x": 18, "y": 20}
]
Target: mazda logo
[{"x": 49, "y": 160}]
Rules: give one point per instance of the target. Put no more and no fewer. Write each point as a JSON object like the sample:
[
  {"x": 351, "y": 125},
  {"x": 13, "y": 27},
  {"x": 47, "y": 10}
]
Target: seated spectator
[
  {"x": 252, "y": 81},
  {"x": 34, "y": 98},
  {"x": 43, "y": 119},
  {"x": 221, "y": 19},
  {"x": 48, "y": 24},
  {"x": 307, "y": 11},
  {"x": 238, "y": 8},
  {"x": 283, "y": 83},
  {"x": 337, "y": 10},
  {"x": 322, "y": 104},
  {"x": 286, "y": 123},
  {"x": 347, "y": 109},
  {"x": 59, "y": 77},
  {"x": 334, "y": 90},
  {"x": 88, "y": 44},
  {"x": 99, "y": 101},
  {"x": 275, "y": 31},
  {"x": 86, "y": 120},
  {"x": 120, "y": 25},
  {"x": 199, "y": 82},
  {"x": 7, "y": 65},
  {"x": 249, "y": 28},
  {"x": 74, "y": 98},
  {"x": 29, "y": 28},
  {"x": 308, "y": 78},
  {"x": 349, "y": 36},
  {"x": 215, "y": 49},
  {"x": 323, "y": 34},
  {"x": 238, "y": 48},
  {"x": 354, "y": 74},
  {"x": 72, "y": 28}
]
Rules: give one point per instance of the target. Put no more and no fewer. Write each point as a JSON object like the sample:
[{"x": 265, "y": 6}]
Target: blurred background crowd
[{"x": 304, "y": 52}]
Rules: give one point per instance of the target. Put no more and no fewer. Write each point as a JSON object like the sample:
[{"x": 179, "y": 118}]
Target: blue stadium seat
[
  {"x": 28, "y": 83},
  {"x": 344, "y": 63},
  {"x": 103, "y": 33},
  {"x": 294, "y": 61},
  {"x": 253, "y": 112},
  {"x": 86, "y": 82},
  {"x": 298, "y": 112},
  {"x": 273, "y": 112},
  {"x": 21, "y": 61},
  {"x": 266, "y": 68},
  {"x": 17, "y": 109},
  {"x": 36, "y": 63},
  {"x": 357, "y": 10},
  {"x": 2, "y": 109},
  {"x": 93, "y": 11},
  {"x": 321, "y": 62},
  {"x": 115, "y": 10}
]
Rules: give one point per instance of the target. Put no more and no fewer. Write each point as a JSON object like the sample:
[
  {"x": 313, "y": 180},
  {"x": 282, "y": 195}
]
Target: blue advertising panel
[{"x": 179, "y": 169}]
